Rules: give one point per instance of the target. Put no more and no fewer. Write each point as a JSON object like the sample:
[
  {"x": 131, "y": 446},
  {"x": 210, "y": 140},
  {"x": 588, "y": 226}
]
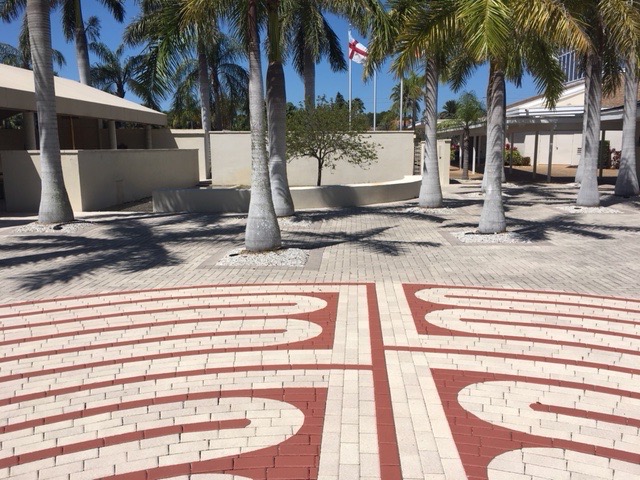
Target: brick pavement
[{"x": 396, "y": 352}]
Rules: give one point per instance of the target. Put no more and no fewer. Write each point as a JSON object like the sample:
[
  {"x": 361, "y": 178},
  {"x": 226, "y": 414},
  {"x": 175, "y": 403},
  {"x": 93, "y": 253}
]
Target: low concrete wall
[
  {"x": 97, "y": 179},
  {"x": 232, "y": 200}
]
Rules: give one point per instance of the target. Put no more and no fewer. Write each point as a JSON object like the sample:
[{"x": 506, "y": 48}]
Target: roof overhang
[{"x": 72, "y": 98}]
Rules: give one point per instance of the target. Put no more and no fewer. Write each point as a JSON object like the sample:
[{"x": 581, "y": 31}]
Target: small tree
[{"x": 324, "y": 134}]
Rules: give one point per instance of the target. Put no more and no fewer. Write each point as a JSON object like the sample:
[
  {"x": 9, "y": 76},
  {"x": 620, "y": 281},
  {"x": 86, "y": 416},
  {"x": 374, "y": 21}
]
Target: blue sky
[{"x": 327, "y": 82}]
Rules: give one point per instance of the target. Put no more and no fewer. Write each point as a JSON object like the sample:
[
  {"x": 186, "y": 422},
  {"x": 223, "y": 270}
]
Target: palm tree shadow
[
  {"x": 126, "y": 245},
  {"x": 310, "y": 240}
]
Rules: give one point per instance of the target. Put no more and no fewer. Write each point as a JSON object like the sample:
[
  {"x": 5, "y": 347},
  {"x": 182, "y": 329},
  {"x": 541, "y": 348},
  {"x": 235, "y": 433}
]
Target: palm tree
[
  {"x": 448, "y": 109},
  {"x": 115, "y": 73},
  {"x": 54, "y": 200},
  {"x": 509, "y": 36},
  {"x": 170, "y": 39},
  {"x": 73, "y": 26},
  {"x": 311, "y": 38},
  {"x": 229, "y": 85},
  {"x": 613, "y": 28},
  {"x": 416, "y": 23},
  {"x": 20, "y": 56},
  {"x": 627, "y": 181},
  {"x": 468, "y": 111},
  {"x": 412, "y": 95},
  {"x": 277, "y": 114},
  {"x": 263, "y": 231}
]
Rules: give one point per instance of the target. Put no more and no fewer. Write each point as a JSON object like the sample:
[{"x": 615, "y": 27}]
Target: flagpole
[
  {"x": 350, "y": 61},
  {"x": 401, "y": 100},
  {"x": 375, "y": 96}
]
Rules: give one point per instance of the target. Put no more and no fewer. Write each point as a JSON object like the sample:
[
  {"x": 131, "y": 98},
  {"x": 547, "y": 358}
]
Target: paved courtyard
[{"x": 399, "y": 350}]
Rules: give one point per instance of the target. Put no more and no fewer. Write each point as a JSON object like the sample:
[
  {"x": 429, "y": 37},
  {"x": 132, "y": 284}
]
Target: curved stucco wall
[{"x": 235, "y": 200}]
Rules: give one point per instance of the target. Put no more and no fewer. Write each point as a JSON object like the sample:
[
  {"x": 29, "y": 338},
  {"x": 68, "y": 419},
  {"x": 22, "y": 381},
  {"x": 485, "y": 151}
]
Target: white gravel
[
  {"x": 431, "y": 211},
  {"x": 577, "y": 209},
  {"x": 472, "y": 236},
  {"x": 287, "y": 257},
  {"x": 71, "y": 227}
]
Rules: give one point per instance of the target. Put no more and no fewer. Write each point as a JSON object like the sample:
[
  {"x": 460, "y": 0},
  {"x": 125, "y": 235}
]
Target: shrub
[{"x": 517, "y": 157}]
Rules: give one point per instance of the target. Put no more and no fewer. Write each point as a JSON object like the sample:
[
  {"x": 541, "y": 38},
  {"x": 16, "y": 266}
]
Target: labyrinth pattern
[{"x": 330, "y": 381}]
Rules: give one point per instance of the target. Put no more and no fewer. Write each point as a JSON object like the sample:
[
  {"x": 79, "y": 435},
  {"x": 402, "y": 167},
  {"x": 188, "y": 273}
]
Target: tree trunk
[
  {"x": 319, "y": 180},
  {"x": 205, "y": 98},
  {"x": 465, "y": 153},
  {"x": 430, "y": 189},
  {"x": 585, "y": 109},
  {"x": 277, "y": 121},
  {"x": 309, "y": 74},
  {"x": 217, "y": 101},
  {"x": 492, "y": 219},
  {"x": 627, "y": 182},
  {"x": 588, "y": 195},
  {"x": 263, "y": 232},
  {"x": 54, "y": 201},
  {"x": 82, "y": 48}
]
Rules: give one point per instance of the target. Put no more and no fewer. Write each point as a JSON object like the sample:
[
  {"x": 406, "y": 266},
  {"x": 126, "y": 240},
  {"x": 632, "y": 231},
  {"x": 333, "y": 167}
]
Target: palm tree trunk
[
  {"x": 588, "y": 195},
  {"x": 430, "y": 189},
  {"x": 587, "y": 77},
  {"x": 465, "y": 153},
  {"x": 82, "y": 48},
  {"x": 217, "y": 101},
  {"x": 263, "y": 232},
  {"x": 492, "y": 219},
  {"x": 54, "y": 201},
  {"x": 277, "y": 124},
  {"x": 627, "y": 182},
  {"x": 205, "y": 98},
  {"x": 309, "y": 74}
]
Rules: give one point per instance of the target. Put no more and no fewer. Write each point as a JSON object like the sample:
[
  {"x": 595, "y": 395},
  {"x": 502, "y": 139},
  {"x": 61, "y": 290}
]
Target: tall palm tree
[
  {"x": 613, "y": 28},
  {"x": 228, "y": 80},
  {"x": 169, "y": 40},
  {"x": 114, "y": 73},
  {"x": 263, "y": 231},
  {"x": 448, "y": 109},
  {"x": 468, "y": 111},
  {"x": 311, "y": 38},
  {"x": 55, "y": 206},
  {"x": 73, "y": 26},
  {"x": 413, "y": 92},
  {"x": 512, "y": 36},
  {"x": 20, "y": 56},
  {"x": 627, "y": 181},
  {"x": 421, "y": 41},
  {"x": 277, "y": 114}
]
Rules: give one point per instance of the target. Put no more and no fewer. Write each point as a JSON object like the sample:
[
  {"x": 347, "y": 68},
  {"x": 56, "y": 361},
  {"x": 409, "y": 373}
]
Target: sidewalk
[{"x": 397, "y": 351}]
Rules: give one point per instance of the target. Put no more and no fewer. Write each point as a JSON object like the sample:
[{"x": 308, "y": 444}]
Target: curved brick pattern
[
  {"x": 531, "y": 385},
  {"x": 208, "y": 382},
  {"x": 320, "y": 381}
]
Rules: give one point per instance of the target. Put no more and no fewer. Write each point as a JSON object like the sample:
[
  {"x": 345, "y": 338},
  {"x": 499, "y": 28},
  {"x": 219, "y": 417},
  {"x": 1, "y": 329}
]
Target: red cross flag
[{"x": 357, "y": 52}]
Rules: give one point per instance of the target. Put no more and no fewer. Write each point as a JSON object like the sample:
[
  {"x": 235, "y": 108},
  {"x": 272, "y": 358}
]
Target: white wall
[
  {"x": 231, "y": 159},
  {"x": 97, "y": 179}
]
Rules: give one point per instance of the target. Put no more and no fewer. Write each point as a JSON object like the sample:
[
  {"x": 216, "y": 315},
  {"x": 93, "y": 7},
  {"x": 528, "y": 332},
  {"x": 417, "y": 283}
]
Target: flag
[{"x": 357, "y": 52}]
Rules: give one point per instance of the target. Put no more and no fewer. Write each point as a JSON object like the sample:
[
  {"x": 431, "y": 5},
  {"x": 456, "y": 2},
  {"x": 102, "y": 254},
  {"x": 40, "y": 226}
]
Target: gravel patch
[
  {"x": 431, "y": 211},
  {"x": 71, "y": 227},
  {"x": 287, "y": 257},
  {"x": 578, "y": 209},
  {"x": 293, "y": 223},
  {"x": 472, "y": 236}
]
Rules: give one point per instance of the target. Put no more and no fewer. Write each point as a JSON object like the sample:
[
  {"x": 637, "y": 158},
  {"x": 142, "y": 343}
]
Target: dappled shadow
[
  {"x": 127, "y": 245},
  {"x": 540, "y": 230},
  {"x": 309, "y": 240}
]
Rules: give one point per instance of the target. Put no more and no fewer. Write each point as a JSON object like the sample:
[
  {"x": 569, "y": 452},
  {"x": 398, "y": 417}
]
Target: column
[
  {"x": 29, "y": 130},
  {"x": 113, "y": 137}
]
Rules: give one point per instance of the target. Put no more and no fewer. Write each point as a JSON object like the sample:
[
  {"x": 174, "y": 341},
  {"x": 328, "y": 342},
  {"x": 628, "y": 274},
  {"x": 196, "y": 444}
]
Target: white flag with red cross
[{"x": 357, "y": 51}]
